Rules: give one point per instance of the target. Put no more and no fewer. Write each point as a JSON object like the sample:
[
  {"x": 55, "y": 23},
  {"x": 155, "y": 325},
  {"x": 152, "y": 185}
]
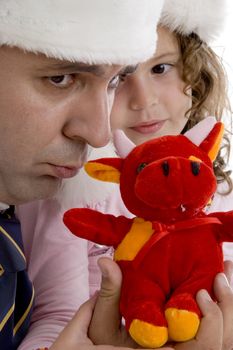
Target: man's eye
[
  {"x": 62, "y": 80},
  {"x": 160, "y": 68},
  {"x": 113, "y": 84}
]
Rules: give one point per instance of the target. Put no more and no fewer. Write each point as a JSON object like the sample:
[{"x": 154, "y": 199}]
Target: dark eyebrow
[
  {"x": 97, "y": 70},
  {"x": 128, "y": 70},
  {"x": 75, "y": 67}
]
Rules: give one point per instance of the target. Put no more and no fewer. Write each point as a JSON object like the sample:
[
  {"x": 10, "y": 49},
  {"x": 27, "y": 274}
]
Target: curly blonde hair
[{"x": 203, "y": 71}]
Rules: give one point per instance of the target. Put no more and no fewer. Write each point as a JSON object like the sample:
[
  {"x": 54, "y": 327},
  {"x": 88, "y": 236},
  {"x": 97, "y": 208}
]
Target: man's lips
[
  {"x": 149, "y": 127},
  {"x": 64, "y": 172}
]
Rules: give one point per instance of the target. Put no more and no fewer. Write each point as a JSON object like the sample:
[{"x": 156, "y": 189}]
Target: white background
[{"x": 224, "y": 47}]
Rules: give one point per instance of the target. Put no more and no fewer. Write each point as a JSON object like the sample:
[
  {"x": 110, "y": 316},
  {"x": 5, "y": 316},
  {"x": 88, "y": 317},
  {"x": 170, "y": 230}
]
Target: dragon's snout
[{"x": 195, "y": 167}]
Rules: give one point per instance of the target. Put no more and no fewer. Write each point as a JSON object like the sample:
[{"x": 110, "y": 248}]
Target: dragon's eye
[
  {"x": 141, "y": 167},
  {"x": 195, "y": 167},
  {"x": 166, "y": 168}
]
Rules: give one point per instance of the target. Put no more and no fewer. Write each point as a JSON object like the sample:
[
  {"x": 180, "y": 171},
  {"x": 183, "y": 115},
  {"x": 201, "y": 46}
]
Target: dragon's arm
[
  {"x": 224, "y": 231},
  {"x": 97, "y": 227}
]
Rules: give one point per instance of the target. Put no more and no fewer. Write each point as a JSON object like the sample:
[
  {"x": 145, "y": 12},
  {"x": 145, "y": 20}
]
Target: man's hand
[{"x": 75, "y": 334}]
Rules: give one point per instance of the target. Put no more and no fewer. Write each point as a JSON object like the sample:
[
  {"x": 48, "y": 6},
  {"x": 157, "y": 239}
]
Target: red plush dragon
[{"x": 171, "y": 249}]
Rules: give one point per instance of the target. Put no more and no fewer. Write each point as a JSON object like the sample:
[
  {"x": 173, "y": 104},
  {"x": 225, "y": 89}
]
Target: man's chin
[{"x": 47, "y": 188}]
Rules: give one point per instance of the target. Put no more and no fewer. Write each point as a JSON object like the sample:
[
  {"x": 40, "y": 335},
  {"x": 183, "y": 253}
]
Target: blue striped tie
[{"x": 16, "y": 291}]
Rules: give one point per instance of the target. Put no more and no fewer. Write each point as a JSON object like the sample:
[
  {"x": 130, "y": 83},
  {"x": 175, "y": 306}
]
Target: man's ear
[{"x": 105, "y": 169}]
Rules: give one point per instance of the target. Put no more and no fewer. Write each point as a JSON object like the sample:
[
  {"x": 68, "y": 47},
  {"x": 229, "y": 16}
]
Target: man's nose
[
  {"x": 90, "y": 119},
  {"x": 143, "y": 94}
]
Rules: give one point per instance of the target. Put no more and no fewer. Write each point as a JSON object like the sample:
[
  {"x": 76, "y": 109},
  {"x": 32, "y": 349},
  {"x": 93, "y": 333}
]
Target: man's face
[{"x": 49, "y": 111}]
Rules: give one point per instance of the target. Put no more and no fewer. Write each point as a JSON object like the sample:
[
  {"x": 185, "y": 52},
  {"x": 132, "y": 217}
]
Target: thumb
[
  {"x": 111, "y": 280},
  {"x": 106, "y": 317}
]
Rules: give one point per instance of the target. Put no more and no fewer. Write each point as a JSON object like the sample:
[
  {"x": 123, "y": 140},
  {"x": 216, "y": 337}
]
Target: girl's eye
[
  {"x": 160, "y": 68},
  {"x": 62, "y": 80}
]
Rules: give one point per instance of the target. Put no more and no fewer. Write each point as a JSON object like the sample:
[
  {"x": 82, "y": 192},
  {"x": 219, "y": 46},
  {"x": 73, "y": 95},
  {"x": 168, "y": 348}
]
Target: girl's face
[{"x": 151, "y": 102}]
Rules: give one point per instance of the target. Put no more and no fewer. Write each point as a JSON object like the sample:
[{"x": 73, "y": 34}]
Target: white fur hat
[
  {"x": 203, "y": 17},
  {"x": 88, "y": 31}
]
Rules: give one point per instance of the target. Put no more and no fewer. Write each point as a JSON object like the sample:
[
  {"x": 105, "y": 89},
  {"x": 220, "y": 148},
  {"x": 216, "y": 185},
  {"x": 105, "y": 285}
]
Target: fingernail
[
  {"x": 104, "y": 271},
  {"x": 223, "y": 279},
  {"x": 205, "y": 295}
]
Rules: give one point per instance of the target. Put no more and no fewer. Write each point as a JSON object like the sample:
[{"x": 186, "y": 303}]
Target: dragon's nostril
[
  {"x": 166, "y": 168},
  {"x": 141, "y": 167},
  {"x": 195, "y": 166}
]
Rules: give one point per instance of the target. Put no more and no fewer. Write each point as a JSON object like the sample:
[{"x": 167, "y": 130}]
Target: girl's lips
[{"x": 148, "y": 128}]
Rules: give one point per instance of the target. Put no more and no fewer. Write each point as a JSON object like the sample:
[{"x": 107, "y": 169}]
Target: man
[{"x": 60, "y": 63}]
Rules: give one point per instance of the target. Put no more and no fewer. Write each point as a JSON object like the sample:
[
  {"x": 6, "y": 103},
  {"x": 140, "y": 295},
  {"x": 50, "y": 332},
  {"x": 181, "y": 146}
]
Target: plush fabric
[
  {"x": 96, "y": 32},
  {"x": 205, "y": 18},
  {"x": 171, "y": 249}
]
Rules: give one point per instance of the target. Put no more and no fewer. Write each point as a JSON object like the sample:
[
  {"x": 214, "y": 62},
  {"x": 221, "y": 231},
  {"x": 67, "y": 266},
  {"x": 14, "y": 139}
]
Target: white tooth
[{"x": 182, "y": 208}]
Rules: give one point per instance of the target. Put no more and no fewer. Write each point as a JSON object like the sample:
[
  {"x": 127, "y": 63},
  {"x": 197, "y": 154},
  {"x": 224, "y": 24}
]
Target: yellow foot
[
  {"x": 148, "y": 335},
  {"x": 182, "y": 324}
]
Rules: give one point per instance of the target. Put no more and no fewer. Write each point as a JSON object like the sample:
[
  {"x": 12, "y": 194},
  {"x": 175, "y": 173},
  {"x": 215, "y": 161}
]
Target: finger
[
  {"x": 109, "y": 294},
  {"x": 104, "y": 328},
  {"x": 210, "y": 333},
  {"x": 224, "y": 295},
  {"x": 211, "y": 326},
  {"x": 75, "y": 332},
  {"x": 111, "y": 278},
  {"x": 228, "y": 270}
]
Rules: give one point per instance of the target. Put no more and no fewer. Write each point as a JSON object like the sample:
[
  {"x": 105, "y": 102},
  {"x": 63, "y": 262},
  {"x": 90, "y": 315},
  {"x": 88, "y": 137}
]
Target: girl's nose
[{"x": 143, "y": 94}]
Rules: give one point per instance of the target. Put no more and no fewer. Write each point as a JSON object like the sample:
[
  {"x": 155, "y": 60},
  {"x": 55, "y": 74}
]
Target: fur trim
[
  {"x": 90, "y": 31},
  {"x": 203, "y": 17},
  {"x": 82, "y": 190}
]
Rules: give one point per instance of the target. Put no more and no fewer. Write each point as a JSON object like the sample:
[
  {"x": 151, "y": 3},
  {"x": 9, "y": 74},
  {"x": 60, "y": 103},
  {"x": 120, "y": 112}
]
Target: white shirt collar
[{"x": 4, "y": 206}]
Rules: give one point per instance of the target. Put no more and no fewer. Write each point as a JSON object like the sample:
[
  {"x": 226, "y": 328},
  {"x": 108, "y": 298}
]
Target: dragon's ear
[
  {"x": 105, "y": 169},
  {"x": 207, "y": 134},
  {"x": 212, "y": 142}
]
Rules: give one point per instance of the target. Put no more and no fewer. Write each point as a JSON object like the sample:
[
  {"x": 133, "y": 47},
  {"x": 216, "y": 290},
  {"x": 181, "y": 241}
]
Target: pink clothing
[
  {"x": 63, "y": 268},
  {"x": 53, "y": 270}
]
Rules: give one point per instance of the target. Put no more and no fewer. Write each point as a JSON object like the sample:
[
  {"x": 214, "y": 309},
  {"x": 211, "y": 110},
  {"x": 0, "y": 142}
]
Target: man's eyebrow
[
  {"x": 128, "y": 69},
  {"x": 98, "y": 70},
  {"x": 74, "y": 67}
]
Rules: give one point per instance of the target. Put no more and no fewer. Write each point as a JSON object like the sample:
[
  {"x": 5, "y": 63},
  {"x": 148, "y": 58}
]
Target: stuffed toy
[{"x": 171, "y": 248}]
